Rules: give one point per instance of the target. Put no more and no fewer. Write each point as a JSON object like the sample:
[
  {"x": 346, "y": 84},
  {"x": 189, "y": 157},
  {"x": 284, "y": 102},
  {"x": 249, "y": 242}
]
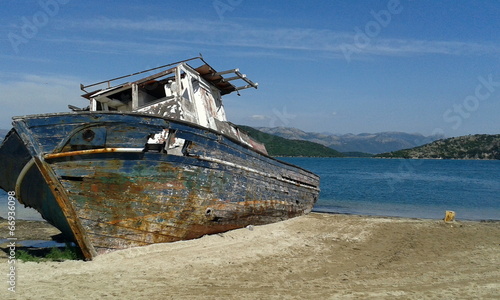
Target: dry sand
[{"x": 319, "y": 256}]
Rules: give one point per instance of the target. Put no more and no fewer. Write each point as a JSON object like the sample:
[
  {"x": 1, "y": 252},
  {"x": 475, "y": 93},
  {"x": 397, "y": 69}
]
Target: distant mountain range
[
  {"x": 279, "y": 146},
  {"x": 372, "y": 143},
  {"x": 479, "y": 146}
]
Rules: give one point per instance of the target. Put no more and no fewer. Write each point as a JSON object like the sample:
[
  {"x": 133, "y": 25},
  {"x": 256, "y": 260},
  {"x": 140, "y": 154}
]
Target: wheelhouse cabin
[{"x": 183, "y": 93}]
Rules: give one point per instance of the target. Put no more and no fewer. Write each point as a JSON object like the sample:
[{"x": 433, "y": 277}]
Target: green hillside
[
  {"x": 278, "y": 146},
  {"x": 479, "y": 146}
]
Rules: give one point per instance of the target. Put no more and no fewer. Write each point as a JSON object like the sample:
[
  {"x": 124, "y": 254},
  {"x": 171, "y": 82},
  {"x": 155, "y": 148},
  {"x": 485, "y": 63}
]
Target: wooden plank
[{"x": 67, "y": 209}]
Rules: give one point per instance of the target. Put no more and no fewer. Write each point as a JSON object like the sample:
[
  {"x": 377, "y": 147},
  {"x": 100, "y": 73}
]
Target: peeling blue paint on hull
[{"x": 95, "y": 177}]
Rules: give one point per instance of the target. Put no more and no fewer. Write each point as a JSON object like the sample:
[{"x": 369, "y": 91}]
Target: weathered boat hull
[{"x": 93, "y": 177}]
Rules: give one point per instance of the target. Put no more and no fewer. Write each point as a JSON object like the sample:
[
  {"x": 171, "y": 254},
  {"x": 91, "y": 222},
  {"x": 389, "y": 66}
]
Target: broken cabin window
[{"x": 166, "y": 142}]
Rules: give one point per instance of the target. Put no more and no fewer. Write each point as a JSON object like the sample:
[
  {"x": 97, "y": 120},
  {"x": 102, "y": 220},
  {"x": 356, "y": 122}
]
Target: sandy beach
[{"x": 318, "y": 256}]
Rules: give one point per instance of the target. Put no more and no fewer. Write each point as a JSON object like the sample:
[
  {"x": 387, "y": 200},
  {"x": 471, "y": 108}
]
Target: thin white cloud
[
  {"x": 110, "y": 46},
  {"x": 155, "y": 36},
  {"x": 409, "y": 47},
  {"x": 23, "y": 58},
  {"x": 148, "y": 25},
  {"x": 259, "y": 117}
]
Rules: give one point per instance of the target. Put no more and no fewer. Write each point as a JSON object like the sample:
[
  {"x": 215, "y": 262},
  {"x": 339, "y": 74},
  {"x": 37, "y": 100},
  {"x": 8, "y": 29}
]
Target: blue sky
[{"x": 329, "y": 66}]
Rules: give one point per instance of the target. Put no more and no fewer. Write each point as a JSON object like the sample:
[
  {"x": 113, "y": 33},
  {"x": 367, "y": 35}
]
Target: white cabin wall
[
  {"x": 220, "y": 111},
  {"x": 186, "y": 101},
  {"x": 93, "y": 104},
  {"x": 201, "y": 105}
]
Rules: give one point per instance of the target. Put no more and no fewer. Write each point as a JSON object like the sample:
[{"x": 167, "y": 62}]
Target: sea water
[
  {"x": 392, "y": 187},
  {"x": 407, "y": 187}
]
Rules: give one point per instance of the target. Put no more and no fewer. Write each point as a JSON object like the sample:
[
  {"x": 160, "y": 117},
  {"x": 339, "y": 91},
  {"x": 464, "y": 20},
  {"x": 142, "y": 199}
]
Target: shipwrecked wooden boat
[{"x": 150, "y": 161}]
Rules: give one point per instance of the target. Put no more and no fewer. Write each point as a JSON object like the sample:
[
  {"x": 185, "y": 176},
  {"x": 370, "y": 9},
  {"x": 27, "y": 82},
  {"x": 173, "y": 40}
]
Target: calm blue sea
[
  {"x": 393, "y": 187},
  {"x": 407, "y": 188}
]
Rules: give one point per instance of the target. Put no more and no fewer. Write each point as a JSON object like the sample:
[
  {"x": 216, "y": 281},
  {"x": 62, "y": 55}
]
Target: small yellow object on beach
[{"x": 449, "y": 216}]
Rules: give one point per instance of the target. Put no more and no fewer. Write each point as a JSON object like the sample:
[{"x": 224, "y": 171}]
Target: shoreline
[
  {"x": 30, "y": 219},
  {"x": 317, "y": 256},
  {"x": 402, "y": 217}
]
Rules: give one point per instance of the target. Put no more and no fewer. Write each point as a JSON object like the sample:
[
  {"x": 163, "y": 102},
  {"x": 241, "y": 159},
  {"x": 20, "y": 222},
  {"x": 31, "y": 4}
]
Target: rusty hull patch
[{"x": 127, "y": 203}]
